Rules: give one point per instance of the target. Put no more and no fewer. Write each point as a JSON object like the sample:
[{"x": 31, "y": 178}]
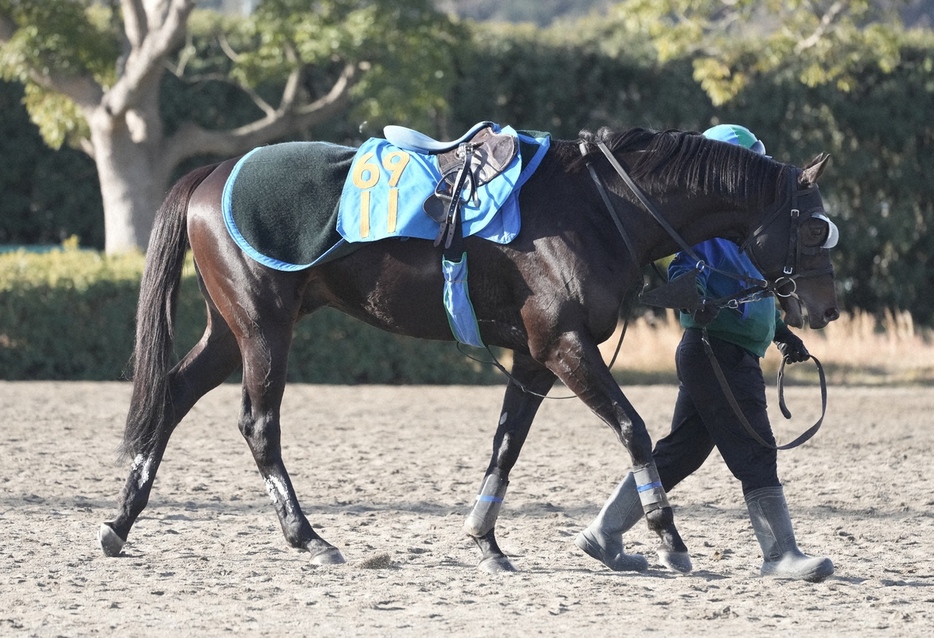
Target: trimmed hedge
[{"x": 69, "y": 314}]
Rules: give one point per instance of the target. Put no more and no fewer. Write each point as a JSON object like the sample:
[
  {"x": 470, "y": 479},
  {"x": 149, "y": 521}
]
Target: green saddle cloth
[{"x": 280, "y": 203}]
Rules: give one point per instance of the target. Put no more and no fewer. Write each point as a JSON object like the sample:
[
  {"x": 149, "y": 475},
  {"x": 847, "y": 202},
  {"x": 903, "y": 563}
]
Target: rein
[{"x": 754, "y": 284}]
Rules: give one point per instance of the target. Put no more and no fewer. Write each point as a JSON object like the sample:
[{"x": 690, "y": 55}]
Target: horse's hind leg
[
  {"x": 264, "y": 373},
  {"x": 207, "y": 365},
  {"x": 519, "y": 408}
]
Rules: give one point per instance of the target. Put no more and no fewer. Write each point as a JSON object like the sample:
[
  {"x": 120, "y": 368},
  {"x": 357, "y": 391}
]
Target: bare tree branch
[
  {"x": 262, "y": 104},
  {"x": 226, "y": 48},
  {"x": 187, "y": 53},
  {"x": 147, "y": 59},
  {"x": 88, "y": 148},
  {"x": 828, "y": 18},
  {"x": 337, "y": 96},
  {"x": 191, "y": 139},
  {"x": 134, "y": 21},
  {"x": 293, "y": 82},
  {"x": 83, "y": 89}
]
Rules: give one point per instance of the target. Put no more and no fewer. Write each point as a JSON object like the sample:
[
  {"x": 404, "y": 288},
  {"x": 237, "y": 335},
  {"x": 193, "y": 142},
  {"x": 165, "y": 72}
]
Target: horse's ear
[{"x": 811, "y": 172}]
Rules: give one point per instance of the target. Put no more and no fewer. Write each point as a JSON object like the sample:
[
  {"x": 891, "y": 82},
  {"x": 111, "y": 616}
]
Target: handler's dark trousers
[{"x": 703, "y": 416}]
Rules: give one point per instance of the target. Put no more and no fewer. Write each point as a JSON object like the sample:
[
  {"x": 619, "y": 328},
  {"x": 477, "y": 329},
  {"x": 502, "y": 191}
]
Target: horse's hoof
[
  {"x": 110, "y": 543},
  {"x": 327, "y": 556},
  {"x": 678, "y": 561},
  {"x": 496, "y": 565}
]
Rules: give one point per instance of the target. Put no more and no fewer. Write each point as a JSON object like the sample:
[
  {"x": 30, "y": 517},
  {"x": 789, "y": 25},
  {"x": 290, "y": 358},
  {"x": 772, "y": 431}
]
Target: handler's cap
[{"x": 736, "y": 134}]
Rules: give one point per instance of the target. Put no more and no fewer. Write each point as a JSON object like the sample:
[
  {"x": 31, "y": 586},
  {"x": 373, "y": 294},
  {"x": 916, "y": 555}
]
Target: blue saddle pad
[{"x": 384, "y": 193}]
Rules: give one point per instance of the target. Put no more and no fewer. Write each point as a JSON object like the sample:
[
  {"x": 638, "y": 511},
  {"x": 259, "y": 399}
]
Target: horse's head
[{"x": 791, "y": 248}]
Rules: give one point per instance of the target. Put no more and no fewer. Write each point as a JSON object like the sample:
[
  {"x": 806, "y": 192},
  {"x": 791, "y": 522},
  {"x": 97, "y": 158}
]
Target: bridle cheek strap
[{"x": 797, "y": 214}]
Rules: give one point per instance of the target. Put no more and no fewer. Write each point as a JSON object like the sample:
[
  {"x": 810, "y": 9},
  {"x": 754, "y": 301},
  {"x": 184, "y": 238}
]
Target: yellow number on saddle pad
[{"x": 367, "y": 174}]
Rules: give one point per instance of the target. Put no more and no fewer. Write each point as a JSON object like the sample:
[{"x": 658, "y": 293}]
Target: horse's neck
[
  {"x": 726, "y": 207},
  {"x": 733, "y": 212}
]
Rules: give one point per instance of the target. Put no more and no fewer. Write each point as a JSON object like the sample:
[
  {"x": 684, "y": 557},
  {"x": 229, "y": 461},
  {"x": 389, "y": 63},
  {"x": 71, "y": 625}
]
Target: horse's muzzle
[{"x": 817, "y": 321}]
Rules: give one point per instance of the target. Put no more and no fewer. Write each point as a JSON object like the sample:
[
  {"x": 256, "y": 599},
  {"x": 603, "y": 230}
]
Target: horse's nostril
[{"x": 831, "y": 314}]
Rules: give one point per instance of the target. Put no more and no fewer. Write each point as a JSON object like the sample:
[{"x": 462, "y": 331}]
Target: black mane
[{"x": 686, "y": 158}]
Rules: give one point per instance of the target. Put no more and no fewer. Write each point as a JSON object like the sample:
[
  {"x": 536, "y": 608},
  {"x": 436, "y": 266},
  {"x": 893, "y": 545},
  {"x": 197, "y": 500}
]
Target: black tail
[{"x": 151, "y": 408}]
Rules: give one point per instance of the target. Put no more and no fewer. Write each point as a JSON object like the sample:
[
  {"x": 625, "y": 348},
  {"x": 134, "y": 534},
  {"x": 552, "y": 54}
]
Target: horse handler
[{"x": 703, "y": 417}]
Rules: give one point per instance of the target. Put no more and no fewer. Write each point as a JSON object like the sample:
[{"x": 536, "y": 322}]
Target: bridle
[{"x": 805, "y": 203}]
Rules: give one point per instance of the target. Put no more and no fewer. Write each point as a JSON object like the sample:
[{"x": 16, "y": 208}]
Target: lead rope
[{"x": 725, "y": 386}]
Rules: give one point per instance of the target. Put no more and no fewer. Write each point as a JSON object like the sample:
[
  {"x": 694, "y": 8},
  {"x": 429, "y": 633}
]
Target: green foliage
[
  {"x": 562, "y": 81},
  {"x": 68, "y": 38},
  {"x": 410, "y": 74},
  {"x": 58, "y": 118},
  {"x": 200, "y": 89},
  {"x": 729, "y": 43},
  {"x": 47, "y": 195},
  {"x": 69, "y": 314},
  {"x": 406, "y": 49},
  {"x": 66, "y": 315},
  {"x": 72, "y": 38}
]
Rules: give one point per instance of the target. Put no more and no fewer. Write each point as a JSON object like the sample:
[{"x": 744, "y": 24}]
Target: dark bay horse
[{"x": 551, "y": 296}]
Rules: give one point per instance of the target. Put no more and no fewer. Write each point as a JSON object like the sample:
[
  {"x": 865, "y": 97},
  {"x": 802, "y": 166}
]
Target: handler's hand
[{"x": 791, "y": 347}]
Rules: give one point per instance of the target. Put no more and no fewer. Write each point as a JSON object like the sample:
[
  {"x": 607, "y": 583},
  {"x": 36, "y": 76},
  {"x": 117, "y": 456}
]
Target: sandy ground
[{"x": 388, "y": 475}]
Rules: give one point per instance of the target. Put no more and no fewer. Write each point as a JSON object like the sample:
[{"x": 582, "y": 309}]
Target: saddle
[{"x": 466, "y": 163}]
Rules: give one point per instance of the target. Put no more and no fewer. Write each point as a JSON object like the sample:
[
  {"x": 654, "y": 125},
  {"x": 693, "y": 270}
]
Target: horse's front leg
[
  {"x": 519, "y": 408},
  {"x": 576, "y": 360},
  {"x": 264, "y": 374}
]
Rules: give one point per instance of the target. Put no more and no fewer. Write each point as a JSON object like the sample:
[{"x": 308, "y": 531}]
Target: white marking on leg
[
  {"x": 142, "y": 465},
  {"x": 278, "y": 492},
  {"x": 502, "y": 419}
]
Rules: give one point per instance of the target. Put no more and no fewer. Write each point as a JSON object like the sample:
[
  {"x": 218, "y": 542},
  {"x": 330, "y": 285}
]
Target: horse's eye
[{"x": 815, "y": 232}]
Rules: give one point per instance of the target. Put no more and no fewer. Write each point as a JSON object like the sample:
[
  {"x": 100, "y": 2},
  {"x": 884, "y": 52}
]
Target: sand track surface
[{"x": 388, "y": 474}]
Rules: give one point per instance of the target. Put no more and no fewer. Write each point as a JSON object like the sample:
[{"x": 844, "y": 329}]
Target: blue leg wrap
[
  {"x": 489, "y": 501},
  {"x": 650, "y": 489}
]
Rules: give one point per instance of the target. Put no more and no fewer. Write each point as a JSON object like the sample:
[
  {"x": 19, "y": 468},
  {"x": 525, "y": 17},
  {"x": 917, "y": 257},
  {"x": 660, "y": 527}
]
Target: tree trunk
[{"x": 133, "y": 179}]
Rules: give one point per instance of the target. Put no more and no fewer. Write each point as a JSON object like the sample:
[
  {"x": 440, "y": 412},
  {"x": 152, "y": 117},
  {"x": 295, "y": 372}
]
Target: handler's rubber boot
[
  {"x": 768, "y": 512},
  {"x": 603, "y": 538}
]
